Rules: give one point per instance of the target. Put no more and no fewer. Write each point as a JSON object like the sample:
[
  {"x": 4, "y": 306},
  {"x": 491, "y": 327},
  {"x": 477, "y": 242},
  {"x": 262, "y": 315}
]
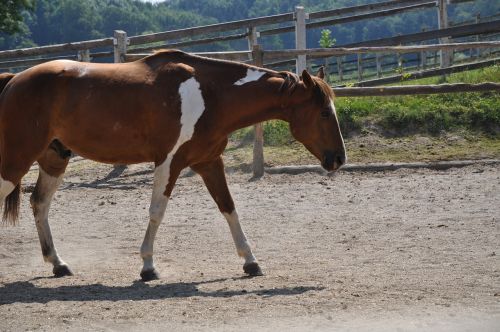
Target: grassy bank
[
  {"x": 427, "y": 114},
  {"x": 400, "y": 128}
]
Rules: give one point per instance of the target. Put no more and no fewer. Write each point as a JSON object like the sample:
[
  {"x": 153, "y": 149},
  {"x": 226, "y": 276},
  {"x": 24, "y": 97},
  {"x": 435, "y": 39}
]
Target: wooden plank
[
  {"x": 326, "y": 52},
  {"x": 32, "y": 62},
  {"x": 453, "y": 32},
  {"x": 59, "y": 48},
  {"x": 258, "y": 146},
  {"x": 428, "y": 73},
  {"x": 376, "y": 14},
  {"x": 235, "y": 55},
  {"x": 378, "y": 64},
  {"x": 360, "y": 67},
  {"x": 188, "y": 43},
  {"x": 120, "y": 46},
  {"x": 300, "y": 38},
  {"x": 190, "y": 32},
  {"x": 415, "y": 89},
  {"x": 380, "y": 167},
  {"x": 364, "y": 8},
  {"x": 354, "y": 18},
  {"x": 83, "y": 56},
  {"x": 442, "y": 11}
]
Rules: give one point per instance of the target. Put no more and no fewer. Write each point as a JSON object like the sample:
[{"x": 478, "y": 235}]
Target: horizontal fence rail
[
  {"x": 338, "y": 51},
  {"x": 43, "y": 50},
  {"x": 428, "y": 73},
  {"x": 414, "y": 89},
  {"x": 453, "y": 32},
  {"x": 190, "y": 32}
]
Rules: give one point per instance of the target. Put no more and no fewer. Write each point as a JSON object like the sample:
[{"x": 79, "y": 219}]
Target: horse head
[{"x": 313, "y": 119}]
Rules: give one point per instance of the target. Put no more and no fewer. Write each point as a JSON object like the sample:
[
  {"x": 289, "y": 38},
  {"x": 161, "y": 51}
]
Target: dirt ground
[{"x": 391, "y": 251}]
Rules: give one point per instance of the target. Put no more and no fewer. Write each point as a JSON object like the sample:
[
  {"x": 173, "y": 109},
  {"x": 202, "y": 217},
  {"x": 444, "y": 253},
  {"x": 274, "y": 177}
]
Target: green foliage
[
  {"x": 326, "y": 39},
  {"x": 59, "y": 21},
  {"x": 428, "y": 114},
  {"x": 11, "y": 15},
  {"x": 276, "y": 133}
]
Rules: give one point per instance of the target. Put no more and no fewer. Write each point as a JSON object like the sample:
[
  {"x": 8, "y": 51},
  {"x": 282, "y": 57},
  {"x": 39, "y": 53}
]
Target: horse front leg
[
  {"x": 215, "y": 180},
  {"x": 163, "y": 183},
  {"x": 52, "y": 166}
]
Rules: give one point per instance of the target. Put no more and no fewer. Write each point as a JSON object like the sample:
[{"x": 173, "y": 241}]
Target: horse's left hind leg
[{"x": 52, "y": 166}]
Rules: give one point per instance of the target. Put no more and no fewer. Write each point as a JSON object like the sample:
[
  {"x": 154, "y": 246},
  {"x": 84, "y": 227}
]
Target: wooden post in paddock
[
  {"x": 83, "y": 56},
  {"x": 120, "y": 46},
  {"x": 120, "y": 42},
  {"x": 360, "y": 67},
  {"x": 300, "y": 38},
  {"x": 258, "y": 145},
  {"x": 378, "y": 62},
  {"x": 445, "y": 57}
]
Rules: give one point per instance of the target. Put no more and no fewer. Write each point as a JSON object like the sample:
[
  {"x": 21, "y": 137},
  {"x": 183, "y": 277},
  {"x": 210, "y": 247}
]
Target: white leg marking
[
  {"x": 192, "y": 107},
  {"x": 46, "y": 187},
  {"x": 240, "y": 240},
  {"x": 156, "y": 212},
  {"x": 251, "y": 76},
  {"x": 6, "y": 188}
]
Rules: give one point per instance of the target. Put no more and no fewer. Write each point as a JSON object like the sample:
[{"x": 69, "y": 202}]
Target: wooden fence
[{"x": 123, "y": 48}]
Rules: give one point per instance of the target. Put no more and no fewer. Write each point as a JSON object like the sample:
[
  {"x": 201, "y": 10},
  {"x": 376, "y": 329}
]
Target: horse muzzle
[{"x": 332, "y": 161}]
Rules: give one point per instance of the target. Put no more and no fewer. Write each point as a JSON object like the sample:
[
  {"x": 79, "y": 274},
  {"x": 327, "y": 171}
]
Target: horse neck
[{"x": 255, "y": 103}]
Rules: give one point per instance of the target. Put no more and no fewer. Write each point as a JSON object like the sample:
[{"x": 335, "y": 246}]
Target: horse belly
[{"x": 115, "y": 144}]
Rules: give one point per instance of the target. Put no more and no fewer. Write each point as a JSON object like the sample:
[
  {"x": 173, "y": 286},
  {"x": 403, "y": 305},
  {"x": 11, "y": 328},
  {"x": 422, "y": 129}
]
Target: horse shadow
[{"x": 27, "y": 292}]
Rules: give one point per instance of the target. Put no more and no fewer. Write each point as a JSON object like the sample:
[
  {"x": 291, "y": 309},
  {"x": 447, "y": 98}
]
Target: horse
[
  {"x": 4, "y": 79},
  {"x": 171, "y": 108}
]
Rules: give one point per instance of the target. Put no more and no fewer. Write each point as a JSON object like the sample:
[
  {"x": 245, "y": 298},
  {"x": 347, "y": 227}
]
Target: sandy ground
[{"x": 391, "y": 251}]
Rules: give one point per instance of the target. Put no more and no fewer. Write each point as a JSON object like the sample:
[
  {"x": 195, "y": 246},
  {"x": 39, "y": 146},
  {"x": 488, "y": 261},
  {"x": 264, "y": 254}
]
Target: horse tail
[
  {"x": 11, "y": 206},
  {"x": 12, "y": 201}
]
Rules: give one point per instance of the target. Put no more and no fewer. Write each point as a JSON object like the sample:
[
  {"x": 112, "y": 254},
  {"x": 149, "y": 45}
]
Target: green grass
[{"x": 429, "y": 114}]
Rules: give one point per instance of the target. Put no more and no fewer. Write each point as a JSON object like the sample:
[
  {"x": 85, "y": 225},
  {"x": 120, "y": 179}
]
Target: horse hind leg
[{"x": 52, "y": 167}]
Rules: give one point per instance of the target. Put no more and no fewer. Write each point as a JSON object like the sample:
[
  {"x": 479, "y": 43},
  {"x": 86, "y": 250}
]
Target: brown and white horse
[{"x": 170, "y": 108}]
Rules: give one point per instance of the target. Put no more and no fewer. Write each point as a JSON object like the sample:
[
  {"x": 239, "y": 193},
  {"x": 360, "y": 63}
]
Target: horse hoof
[
  {"x": 61, "y": 271},
  {"x": 252, "y": 269},
  {"x": 150, "y": 275}
]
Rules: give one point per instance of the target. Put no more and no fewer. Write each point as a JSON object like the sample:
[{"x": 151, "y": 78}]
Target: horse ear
[
  {"x": 321, "y": 72},
  {"x": 307, "y": 79}
]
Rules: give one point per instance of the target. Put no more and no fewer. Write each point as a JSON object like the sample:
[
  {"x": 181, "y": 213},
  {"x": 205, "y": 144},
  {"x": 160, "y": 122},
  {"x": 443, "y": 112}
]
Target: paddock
[{"x": 357, "y": 251}]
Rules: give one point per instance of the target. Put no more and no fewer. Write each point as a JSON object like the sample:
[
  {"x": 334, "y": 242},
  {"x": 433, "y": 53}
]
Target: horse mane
[{"x": 290, "y": 81}]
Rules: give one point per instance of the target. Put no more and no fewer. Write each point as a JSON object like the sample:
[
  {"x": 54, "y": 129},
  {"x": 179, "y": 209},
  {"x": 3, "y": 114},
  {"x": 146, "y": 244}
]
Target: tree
[{"x": 10, "y": 14}]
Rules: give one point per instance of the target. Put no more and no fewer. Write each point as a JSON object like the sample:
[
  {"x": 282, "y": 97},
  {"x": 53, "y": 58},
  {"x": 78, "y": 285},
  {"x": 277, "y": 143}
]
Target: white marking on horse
[
  {"x": 251, "y": 76},
  {"x": 46, "y": 187},
  {"x": 240, "y": 240},
  {"x": 192, "y": 107}
]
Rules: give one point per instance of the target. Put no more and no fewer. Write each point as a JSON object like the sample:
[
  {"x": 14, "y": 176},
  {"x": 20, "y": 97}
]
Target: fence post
[
  {"x": 258, "y": 145},
  {"x": 360, "y": 67},
  {"x": 423, "y": 55},
  {"x": 83, "y": 56},
  {"x": 300, "y": 38},
  {"x": 443, "y": 24},
  {"x": 339, "y": 68},
  {"x": 379, "y": 64},
  {"x": 478, "y": 50},
  {"x": 252, "y": 39},
  {"x": 120, "y": 45}
]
